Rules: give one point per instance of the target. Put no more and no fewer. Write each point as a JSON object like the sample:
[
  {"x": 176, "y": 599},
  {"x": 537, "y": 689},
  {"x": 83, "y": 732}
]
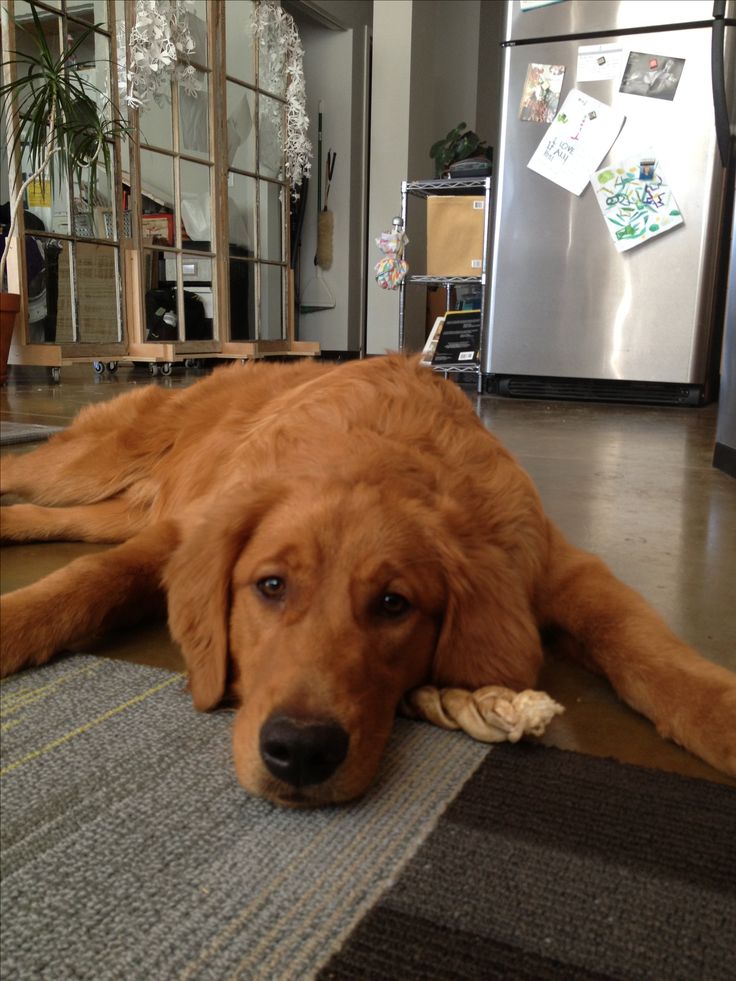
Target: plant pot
[{"x": 9, "y": 307}]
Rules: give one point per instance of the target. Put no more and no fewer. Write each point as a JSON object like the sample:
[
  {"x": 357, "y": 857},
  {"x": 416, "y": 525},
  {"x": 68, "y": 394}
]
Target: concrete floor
[{"x": 632, "y": 483}]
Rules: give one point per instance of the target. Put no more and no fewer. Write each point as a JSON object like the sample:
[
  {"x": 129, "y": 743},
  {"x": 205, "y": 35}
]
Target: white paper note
[
  {"x": 578, "y": 138},
  {"x": 598, "y": 62}
]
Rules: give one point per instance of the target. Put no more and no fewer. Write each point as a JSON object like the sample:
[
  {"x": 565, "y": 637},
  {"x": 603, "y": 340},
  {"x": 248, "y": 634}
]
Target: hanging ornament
[
  {"x": 281, "y": 56},
  {"x": 392, "y": 268},
  {"x": 160, "y": 45}
]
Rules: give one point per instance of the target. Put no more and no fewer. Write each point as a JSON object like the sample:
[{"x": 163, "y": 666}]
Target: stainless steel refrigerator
[
  {"x": 724, "y": 454},
  {"x": 567, "y": 315}
]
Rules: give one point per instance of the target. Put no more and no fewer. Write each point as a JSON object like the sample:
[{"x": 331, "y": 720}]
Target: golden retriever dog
[{"x": 326, "y": 539}]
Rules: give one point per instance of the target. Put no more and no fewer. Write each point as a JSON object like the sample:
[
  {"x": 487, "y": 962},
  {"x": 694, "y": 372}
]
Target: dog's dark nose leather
[{"x": 301, "y": 752}]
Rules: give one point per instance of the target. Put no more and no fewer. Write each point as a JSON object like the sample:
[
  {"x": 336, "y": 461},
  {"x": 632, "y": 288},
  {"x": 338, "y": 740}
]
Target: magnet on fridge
[
  {"x": 646, "y": 169},
  {"x": 601, "y": 60}
]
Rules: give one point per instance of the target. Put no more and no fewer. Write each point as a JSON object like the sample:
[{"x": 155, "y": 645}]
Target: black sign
[{"x": 459, "y": 341}]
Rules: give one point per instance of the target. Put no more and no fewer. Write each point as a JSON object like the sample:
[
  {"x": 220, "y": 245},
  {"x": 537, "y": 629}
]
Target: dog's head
[{"x": 319, "y": 605}]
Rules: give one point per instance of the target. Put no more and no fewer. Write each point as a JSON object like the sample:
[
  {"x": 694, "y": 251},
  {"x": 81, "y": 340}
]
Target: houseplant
[
  {"x": 64, "y": 126},
  {"x": 459, "y": 144}
]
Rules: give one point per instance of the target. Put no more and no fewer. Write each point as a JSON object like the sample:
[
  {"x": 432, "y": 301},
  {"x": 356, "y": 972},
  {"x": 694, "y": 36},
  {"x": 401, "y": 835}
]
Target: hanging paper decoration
[
  {"x": 391, "y": 270},
  {"x": 281, "y": 56},
  {"x": 160, "y": 45}
]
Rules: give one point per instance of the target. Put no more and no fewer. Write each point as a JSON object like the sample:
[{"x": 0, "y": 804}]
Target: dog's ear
[
  {"x": 489, "y": 634},
  {"x": 197, "y": 581}
]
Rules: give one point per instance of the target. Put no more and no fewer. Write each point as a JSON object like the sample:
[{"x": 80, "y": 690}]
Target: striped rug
[
  {"x": 25, "y": 432},
  {"x": 553, "y": 866},
  {"x": 129, "y": 851}
]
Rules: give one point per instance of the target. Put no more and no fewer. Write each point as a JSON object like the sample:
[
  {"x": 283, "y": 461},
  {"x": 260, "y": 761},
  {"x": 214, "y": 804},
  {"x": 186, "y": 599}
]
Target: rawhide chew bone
[{"x": 492, "y": 714}]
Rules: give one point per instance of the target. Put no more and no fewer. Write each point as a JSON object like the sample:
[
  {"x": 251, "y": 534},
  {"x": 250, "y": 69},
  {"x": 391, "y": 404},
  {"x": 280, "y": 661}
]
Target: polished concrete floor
[{"x": 633, "y": 483}]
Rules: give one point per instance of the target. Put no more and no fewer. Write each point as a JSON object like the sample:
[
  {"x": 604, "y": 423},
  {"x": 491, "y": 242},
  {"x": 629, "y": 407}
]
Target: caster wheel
[
  {"x": 167, "y": 368},
  {"x": 190, "y": 363},
  {"x": 153, "y": 369},
  {"x": 56, "y": 375},
  {"x": 112, "y": 367},
  {"x": 99, "y": 367}
]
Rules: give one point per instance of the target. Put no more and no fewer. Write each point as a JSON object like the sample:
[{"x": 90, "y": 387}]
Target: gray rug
[
  {"x": 130, "y": 851},
  {"x": 23, "y": 432}
]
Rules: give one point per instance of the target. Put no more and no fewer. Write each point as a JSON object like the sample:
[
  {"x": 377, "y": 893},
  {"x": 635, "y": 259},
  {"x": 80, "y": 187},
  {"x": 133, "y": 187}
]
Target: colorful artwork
[
  {"x": 540, "y": 96},
  {"x": 636, "y": 208}
]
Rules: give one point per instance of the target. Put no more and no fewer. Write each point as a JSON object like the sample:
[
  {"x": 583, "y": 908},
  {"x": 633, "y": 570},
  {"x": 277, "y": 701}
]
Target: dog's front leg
[
  {"x": 93, "y": 594},
  {"x": 690, "y": 699}
]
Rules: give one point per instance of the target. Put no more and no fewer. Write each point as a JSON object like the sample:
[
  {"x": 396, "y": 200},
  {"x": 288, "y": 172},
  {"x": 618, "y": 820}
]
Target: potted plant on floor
[{"x": 64, "y": 126}]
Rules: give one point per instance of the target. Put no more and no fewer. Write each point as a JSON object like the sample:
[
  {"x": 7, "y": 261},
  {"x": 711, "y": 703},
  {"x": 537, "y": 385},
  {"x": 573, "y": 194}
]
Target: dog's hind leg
[
  {"x": 93, "y": 594},
  {"x": 115, "y": 520},
  {"x": 107, "y": 448},
  {"x": 690, "y": 699}
]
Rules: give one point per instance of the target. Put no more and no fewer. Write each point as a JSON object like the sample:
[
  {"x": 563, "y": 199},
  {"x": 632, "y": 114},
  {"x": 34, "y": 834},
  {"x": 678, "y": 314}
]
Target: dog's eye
[
  {"x": 272, "y": 587},
  {"x": 393, "y": 604}
]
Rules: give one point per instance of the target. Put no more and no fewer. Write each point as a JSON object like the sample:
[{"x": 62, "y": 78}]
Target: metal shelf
[
  {"x": 445, "y": 185},
  {"x": 445, "y": 280},
  {"x": 423, "y": 189}
]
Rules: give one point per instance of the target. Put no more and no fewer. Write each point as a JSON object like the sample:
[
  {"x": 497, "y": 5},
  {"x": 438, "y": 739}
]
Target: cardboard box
[{"x": 455, "y": 225}]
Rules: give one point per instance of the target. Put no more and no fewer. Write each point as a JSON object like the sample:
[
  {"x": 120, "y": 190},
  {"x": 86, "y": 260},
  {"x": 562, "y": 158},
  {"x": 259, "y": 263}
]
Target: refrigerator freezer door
[
  {"x": 563, "y": 302},
  {"x": 585, "y": 16}
]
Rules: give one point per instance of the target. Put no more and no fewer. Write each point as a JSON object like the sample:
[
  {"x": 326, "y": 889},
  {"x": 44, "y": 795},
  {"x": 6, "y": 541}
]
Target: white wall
[
  {"x": 328, "y": 69},
  {"x": 425, "y": 81},
  {"x": 390, "y": 116},
  {"x": 336, "y": 35}
]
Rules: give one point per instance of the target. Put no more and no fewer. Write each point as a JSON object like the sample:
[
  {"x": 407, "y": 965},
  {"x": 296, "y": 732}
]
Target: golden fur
[{"x": 327, "y": 538}]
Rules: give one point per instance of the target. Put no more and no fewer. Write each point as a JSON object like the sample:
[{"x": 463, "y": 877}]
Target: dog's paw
[
  {"x": 705, "y": 723},
  {"x": 720, "y": 732},
  {"x": 22, "y": 636},
  {"x": 12, "y": 648}
]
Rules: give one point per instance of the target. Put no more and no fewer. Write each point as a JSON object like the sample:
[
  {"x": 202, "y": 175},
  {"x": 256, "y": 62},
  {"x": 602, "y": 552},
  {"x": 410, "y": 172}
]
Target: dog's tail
[{"x": 690, "y": 700}]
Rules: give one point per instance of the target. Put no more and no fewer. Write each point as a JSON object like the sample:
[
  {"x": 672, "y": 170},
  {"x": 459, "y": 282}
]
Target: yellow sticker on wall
[{"x": 39, "y": 194}]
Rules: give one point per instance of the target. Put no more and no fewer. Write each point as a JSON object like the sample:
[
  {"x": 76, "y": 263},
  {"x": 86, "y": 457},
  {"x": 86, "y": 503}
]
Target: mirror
[
  {"x": 157, "y": 198},
  {"x": 88, "y": 303},
  {"x": 240, "y": 59},
  {"x": 271, "y": 124},
  {"x": 42, "y": 265},
  {"x": 242, "y": 300},
  {"x": 241, "y": 142},
  {"x": 194, "y": 126},
  {"x": 271, "y": 302},
  {"x": 98, "y": 297},
  {"x": 271, "y": 221},
  {"x": 90, "y": 11}
]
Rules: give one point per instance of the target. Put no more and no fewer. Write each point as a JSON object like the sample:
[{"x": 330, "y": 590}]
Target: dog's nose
[{"x": 302, "y": 752}]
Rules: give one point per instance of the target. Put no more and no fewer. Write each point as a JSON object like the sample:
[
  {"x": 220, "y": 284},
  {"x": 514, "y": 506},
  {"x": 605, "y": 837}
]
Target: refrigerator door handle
[{"x": 718, "y": 77}]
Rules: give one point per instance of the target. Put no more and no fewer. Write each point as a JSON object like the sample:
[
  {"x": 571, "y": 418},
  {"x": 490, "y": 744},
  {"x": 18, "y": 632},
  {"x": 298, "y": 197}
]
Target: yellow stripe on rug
[{"x": 88, "y": 725}]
